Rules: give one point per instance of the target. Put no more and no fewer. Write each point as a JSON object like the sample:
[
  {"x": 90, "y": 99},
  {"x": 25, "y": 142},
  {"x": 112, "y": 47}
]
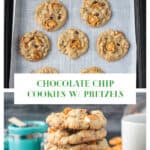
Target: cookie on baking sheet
[
  {"x": 65, "y": 137},
  {"x": 34, "y": 46},
  {"x": 96, "y": 145},
  {"x": 95, "y": 13},
  {"x": 77, "y": 119},
  {"x": 51, "y": 15},
  {"x": 92, "y": 70},
  {"x": 73, "y": 42},
  {"x": 46, "y": 70},
  {"x": 112, "y": 45}
]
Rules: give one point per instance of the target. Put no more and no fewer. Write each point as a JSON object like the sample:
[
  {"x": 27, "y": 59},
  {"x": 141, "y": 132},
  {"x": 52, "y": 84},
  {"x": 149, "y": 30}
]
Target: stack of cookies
[{"x": 76, "y": 129}]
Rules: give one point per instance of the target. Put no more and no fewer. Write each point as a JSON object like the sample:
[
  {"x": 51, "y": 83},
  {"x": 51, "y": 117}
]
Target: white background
[{"x": 1, "y": 75}]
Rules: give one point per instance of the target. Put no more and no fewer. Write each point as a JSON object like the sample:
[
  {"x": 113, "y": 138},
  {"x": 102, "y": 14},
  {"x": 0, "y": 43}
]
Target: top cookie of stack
[{"x": 77, "y": 119}]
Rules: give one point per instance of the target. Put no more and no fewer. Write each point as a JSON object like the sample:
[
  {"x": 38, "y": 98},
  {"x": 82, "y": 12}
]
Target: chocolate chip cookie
[
  {"x": 92, "y": 70},
  {"x": 51, "y": 15},
  {"x": 77, "y": 119},
  {"x": 73, "y": 42},
  {"x": 34, "y": 46},
  {"x": 46, "y": 70},
  {"x": 112, "y": 45},
  {"x": 65, "y": 137},
  {"x": 95, "y": 13},
  {"x": 95, "y": 145}
]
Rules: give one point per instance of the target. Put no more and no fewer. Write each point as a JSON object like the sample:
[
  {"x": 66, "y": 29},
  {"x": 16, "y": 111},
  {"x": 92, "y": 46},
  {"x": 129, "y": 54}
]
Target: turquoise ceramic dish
[
  {"x": 6, "y": 146},
  {"x": 27, "y": 138}
]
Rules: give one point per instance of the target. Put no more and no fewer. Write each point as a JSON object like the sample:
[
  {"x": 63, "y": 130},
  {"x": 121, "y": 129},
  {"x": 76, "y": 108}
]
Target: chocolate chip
[
  {"x": 102, "y": 4},
  {"x": 97, "y": 14},
  {"x": 76, "y": 32},
  {"x": 118, "y": 44},
  {"x": 104, "y": 51},
  {"x": 59, "y": 16},
  {"x": 94, "y": 2},
  {"x": 71, "y": 131},
  {"x": 88, "y": 111},
  {"x": 51, "y": 17},
  {"x": 36, "y": 46}
]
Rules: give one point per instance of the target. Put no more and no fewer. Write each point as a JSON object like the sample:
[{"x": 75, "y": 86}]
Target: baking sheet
[{"x": 123, "y": 19}]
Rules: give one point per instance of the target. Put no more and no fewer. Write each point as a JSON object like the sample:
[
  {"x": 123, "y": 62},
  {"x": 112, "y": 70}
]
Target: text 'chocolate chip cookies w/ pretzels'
[
  {"x": 76, "y": 129},
  {"x": 34, "y": 46},
  {"x": 95, "y": 13},
  {"x": 112, "y": 45},
  {"x": 51, "y": 15},
  {"x": 73, "y": 42},
  {"x": 92, "y": 70}
]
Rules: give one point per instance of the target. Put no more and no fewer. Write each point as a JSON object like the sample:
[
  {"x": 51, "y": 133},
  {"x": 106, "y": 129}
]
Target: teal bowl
[
  {"x": 6, "y": 146},
  {"x": 26, "y": 138}
]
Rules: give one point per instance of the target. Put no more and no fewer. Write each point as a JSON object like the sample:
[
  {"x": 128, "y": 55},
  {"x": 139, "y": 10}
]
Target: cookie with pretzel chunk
[
  {"x": 51, "y": 15},
  {"x": 112, "y": 45},
  {"x": 73, "y": 43},
  {"x": 77, "y": 119},
  {"x": 34, "y": 45},
  {"x": 95, "y": 13}
]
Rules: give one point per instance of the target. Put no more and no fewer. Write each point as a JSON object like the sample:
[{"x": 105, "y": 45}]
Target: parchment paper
[{"x": 123, "y": 19}]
